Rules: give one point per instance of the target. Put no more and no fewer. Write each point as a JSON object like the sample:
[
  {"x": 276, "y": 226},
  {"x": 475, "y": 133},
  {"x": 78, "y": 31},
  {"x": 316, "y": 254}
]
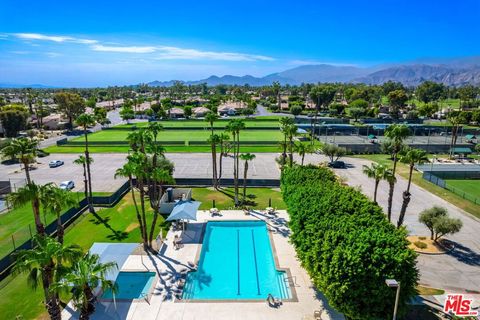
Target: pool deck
[{"x": 171, "y": 264}]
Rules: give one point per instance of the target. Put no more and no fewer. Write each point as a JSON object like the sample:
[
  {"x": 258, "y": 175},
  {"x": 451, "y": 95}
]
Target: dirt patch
[
  {"x": 424, "y": 244},
  {"x": 132, "y": 226}
]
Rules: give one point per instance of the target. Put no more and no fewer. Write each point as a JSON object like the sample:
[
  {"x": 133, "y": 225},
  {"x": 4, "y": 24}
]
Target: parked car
[
  {"x": 337, "y": 165},
  {"x": 55, "y": 163},
  {"x": 67, "y": 185}
]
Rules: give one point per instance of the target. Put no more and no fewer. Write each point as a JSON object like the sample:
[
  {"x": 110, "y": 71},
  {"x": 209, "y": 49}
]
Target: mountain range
[{"x": 451, "y": 72}]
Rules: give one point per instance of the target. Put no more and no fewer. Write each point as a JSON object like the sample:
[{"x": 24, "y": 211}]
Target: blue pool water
[
  {"x": 236, "y": 263},
  {"x": 132, "y": 285}
]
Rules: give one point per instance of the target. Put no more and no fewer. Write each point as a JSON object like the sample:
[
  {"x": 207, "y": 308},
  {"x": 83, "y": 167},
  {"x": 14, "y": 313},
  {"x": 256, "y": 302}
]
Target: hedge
[{"x": 347, "y": 245}]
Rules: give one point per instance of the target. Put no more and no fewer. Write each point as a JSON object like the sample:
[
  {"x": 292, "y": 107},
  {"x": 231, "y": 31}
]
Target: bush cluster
[{"x": 347, "y": 245}]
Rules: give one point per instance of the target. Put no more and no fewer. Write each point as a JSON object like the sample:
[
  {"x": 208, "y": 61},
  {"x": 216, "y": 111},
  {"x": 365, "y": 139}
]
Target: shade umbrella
[
  {"x": 186, "y": 210},
  {"x": 301, "y": 131}
]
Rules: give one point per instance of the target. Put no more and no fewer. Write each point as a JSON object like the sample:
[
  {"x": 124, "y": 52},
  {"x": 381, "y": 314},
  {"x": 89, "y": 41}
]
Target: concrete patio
[{"x": 171, "y": 264}]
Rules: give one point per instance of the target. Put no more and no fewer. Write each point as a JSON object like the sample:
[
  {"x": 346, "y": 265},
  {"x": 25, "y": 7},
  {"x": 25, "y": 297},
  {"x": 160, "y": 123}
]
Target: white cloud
[
  {"x": 169, "y": 53},
  {"x": 43, "y": 37},
  {"x": 161, "y": 52},
  {"x": 131, "y": 49}
]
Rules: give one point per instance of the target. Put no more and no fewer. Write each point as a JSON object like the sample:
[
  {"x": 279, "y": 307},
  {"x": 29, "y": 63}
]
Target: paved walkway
[{"x": 170, "y": 264}]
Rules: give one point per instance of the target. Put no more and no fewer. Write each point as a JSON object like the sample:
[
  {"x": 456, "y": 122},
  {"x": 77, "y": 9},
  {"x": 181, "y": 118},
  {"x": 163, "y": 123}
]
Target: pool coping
[
  {"x": 149, "y": 294},
  {"x": 294, "y": 297}
]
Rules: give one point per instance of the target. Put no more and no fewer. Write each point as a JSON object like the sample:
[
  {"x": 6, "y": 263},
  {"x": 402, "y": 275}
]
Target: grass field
[
  {"x": 402, "y": 169},
  {"x": 468, "y": 189},
  {"x": 15, "y": 224},
  {"x": 257, "y": 198},
  {"x": 117, "y": 224}
]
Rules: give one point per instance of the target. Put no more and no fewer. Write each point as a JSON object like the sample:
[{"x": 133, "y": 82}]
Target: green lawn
[
  {"x": 117, "y": 224},
  {"x": 15, "y": 223},
  {"x": 402, "y": 169},
  {"x": 468, "y": 189},
  {"x": 257, "y": 197},
  {"x": 183, "y": 135}
]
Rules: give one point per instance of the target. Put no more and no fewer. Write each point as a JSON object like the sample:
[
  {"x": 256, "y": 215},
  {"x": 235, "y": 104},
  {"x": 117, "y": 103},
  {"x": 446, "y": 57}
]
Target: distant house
[
  {"x": 231, "y": 108},
  {"x": 200, "y": 111},
  {"x": 53, "y": 122},
  {"x": 227, "y": 111},
  {"x": 110, "y": 104},
  {"x": 176, "y": 113}
]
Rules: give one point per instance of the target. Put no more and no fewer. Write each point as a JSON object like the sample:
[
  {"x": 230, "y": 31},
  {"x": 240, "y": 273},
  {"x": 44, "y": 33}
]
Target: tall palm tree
[
  {"x": 234, "y": 127},
  {"x": 55, "y": 200},
  {"x": 41, "y": 263},
  {"x": 85, "y": 120},
  {"x": 134, "y": 168},
  {"x": 82, "y": 278},
  {"x": 224, "y": 141},
  {"x": 455, "y": 119},
  {"x": 376, "y": 172},
  {"x": 214, "y": 140},
  {"x": 391, "y": 180},
  {"x": 81, "y": 160},
  {"x": 129, "y": 170},
  {"x": 410, "y": 156},
  {"x": 211, "y": 117},
  {"x": 396, "y": 133},
  {"x": 246, "y": 157},
  {"x": 285, "y": 122},
  {"x": 290, "y": 132},
  {"x": 23, "y": 149},
  {"x": 29, "y": 193}
]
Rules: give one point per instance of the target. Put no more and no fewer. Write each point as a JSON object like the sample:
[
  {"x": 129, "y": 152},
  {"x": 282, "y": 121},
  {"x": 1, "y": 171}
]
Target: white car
[
  {"x": 67, "y": 185},
  {"x": 55, "y": 163}
]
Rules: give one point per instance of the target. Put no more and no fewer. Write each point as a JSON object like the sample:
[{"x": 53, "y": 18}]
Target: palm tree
[
  {"x": 29, "y": 193},
  {"x": 290, "y": 132},
  {"x": 391, "y": 180},
  {"x": 284, "y": 123},
  {"x": 246, "y": 157},
  {"x": 376, "y": 172},
  {"x": 85, "y": 120},
  {"x": 211, "y": 117},
  {"x": 134, "y": 168},
  {"x": 224, "y": 141},
  {"x": 41, "y": 263},
  {"x": 234, "y": 127},
  {"x": 301, "y": 149},
  {"x": 23, "y": 149},
  {"x": 214, "y": 140},
  {"x": 396, "y": 133},
  {"x": 454, "y": 118},
  {"x": 411, "y": 156},
  {"x": 82, "y": 278},
  {"x": 55, "y": 200},
  {"x": 83, "y": 161}
]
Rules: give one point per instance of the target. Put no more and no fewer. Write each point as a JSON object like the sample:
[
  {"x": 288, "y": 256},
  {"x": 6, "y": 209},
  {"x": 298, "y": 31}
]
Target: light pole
[{"x": 392, "y": 283}]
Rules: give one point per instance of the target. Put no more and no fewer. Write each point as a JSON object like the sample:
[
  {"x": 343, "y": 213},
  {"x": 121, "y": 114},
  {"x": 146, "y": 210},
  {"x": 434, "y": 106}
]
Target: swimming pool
[
  {"x": 236, "y": 263},
  {"x": 132, "y": 285}
]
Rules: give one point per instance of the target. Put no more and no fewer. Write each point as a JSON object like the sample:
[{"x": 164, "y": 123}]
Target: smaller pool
[{"x": 132, "y": 285}]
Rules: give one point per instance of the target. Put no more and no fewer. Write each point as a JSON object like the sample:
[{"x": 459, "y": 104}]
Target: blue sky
[{"x": 97, "y": 43}]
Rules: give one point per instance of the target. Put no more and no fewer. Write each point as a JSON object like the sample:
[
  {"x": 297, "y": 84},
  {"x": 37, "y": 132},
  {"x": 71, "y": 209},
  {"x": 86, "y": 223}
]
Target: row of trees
[
  {"x": 147, "y": 170},
  {"x": 221, "y": 144},
  {"x": 346, "y": 244}
]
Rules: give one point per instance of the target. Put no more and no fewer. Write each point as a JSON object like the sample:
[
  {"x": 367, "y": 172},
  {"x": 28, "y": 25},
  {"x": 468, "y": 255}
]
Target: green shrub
[
  {"x": 346, "y": 244},
  {"x": 420, "y": 244}
]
